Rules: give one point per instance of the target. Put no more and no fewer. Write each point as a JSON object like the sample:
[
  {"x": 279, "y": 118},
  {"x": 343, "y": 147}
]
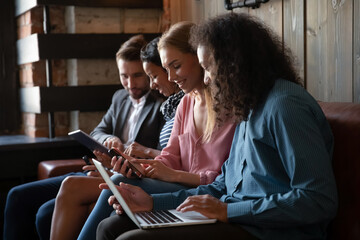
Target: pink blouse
[{"x": 185, "y": 150}]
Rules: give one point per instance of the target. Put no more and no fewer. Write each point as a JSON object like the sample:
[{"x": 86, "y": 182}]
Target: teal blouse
[{"x": 278, "y": 180}]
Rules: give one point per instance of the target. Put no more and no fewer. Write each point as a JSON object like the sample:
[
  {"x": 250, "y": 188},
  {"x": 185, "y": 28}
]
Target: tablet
[{"x": 88, "y": 141}]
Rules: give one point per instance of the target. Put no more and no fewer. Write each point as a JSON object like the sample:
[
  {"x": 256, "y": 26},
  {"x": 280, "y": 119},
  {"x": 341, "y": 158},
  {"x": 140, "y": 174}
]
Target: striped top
[
  {"x": 165, "y": 133},
  {"x": 168, "y": 109}
]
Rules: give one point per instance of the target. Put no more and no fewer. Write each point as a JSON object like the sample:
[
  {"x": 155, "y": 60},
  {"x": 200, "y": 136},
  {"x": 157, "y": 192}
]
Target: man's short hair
[{"x": 130, "y": 50}]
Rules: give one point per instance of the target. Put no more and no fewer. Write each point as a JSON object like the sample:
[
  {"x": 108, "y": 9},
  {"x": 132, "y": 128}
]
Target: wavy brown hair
[
  {"x": 178, "y": 36},
  {"x": 130, "y": 50},
  {"x": 248, "y": 58}
]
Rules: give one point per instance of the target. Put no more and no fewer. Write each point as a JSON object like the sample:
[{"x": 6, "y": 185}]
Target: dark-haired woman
[
  {"x": 77, "y": 200},
  {"x": 278, "y": 181}
]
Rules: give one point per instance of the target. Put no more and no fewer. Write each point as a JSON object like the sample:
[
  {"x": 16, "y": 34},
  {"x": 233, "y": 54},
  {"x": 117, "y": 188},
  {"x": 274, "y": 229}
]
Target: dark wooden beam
[
  {"x": 52, "y": 99},
  {"x": 10, "y": 119},
  {"x": 65, "y": 46},
  {"x": 26, "y": 5}
]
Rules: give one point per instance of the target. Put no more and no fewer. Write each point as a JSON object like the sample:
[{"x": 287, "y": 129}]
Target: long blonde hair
[
  {"x": 178, "y": 37},
  {"x": 211, "y": 116}
]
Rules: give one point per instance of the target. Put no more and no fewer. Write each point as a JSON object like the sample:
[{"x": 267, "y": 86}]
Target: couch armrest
[{"x": 53, "y": 168}]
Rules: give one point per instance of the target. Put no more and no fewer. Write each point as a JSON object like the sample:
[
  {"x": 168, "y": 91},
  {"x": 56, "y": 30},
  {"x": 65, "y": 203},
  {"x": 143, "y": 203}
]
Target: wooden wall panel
[
  {"x": 214, "y": 8},
  {"x": 194, "y": 10},
  {"x": 356, "y": 58},
  {"x": 187, "y": 10},
  {"x": 175, "y": 11},
  {"x": 241, "y": 10},
  {"x": 324, "y": 36},
  {"x": 293, "y": 32},
  {"x": 329, "y": 50},
  {"x": 142, "y": 20},
  {"x": 271, "y": 14},
  {"x": 97, "y": 20}
]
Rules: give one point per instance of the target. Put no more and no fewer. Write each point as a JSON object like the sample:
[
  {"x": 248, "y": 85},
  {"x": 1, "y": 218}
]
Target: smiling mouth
[{"x": 179, "y": 83}]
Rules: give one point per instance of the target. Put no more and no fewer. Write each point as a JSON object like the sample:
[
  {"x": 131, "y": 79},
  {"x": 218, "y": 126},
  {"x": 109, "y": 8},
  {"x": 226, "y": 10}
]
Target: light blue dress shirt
[{"x": 278, "y": 180}]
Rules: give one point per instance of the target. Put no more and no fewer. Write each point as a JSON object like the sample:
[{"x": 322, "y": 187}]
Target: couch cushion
[{"x": 52, "y": 168}]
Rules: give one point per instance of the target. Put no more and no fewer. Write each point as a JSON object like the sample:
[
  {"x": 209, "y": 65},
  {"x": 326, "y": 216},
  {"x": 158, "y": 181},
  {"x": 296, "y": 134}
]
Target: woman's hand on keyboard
[{"x": 207, "y": 205}]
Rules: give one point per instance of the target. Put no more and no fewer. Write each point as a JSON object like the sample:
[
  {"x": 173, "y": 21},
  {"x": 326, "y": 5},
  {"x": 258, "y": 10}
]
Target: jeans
[
  {"x": 102, "y": 209},
  {"x": 29, "y": 206}
]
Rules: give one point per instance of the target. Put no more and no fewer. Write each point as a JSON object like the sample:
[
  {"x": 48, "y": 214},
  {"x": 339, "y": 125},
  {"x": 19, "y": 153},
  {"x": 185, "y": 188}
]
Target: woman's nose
[
  {"x": 153, "y": 85},
  {"x": 171, "y": 76}
]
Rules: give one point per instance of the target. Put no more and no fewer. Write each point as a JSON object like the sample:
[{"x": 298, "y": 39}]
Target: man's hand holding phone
[{"x": 123, "y": 164}]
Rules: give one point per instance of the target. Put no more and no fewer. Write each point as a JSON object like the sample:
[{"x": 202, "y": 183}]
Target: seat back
[{"x": 344, "y": 119}]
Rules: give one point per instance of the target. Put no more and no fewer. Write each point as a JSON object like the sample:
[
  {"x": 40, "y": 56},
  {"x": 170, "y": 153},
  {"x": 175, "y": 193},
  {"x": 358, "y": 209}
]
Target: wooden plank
[
  {"x": 356, "y": 44},
  {"x": 142, "y": 20},
  {"x": 117, "y": 20},
  {"x": 315, "y": 67},
  {"x": 66, "y": 46},
  {"x": 271, "y": 14},
  {"x": 194, "y": 10},
  {"x": 186, "y": 10},
  {"x": 175, "y": 11},
  {"x": 329, "y": 50},
  {"x": 293, "y": 33},
  {"x": 25, "y": 5},
  {"x": 10, "y": 120},
  {"x": 95, "y": 72},
  {"x": 97, "y": 20},
  {"x": 51, "y": 99},
  {"x": 214, "y": 8}
]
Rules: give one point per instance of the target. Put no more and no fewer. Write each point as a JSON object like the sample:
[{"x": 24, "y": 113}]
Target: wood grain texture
[
  {"x": 356, "y": 57},
  {"x": 22, "y": 6},
  {"x": 293, "y": 33},
  {"x": 329, "y": 50},
  {"x": 271, "y": 14}
]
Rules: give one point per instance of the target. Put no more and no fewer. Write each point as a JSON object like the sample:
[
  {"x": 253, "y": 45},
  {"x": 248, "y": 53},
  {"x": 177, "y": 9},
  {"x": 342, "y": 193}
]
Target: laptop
[
  {"x": 154, "y": 219},
  {"x": 88, "y": 141}
]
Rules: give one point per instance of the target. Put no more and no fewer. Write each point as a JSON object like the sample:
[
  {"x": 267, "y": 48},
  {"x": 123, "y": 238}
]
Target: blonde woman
[{"x": 196, "y": 150}]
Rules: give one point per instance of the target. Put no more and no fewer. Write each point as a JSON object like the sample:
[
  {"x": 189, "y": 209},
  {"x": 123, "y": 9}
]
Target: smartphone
[
  {"x": 86, "y": 160},
  {"x": 137, "y": 169}
]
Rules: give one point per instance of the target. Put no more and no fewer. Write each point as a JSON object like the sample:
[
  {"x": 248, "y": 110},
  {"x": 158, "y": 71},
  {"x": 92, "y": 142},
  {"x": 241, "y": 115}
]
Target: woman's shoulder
[{"x": 187, "y": 101}]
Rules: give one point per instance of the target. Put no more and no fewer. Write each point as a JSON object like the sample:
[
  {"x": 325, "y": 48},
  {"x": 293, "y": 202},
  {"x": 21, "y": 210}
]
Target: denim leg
[
  {"x": 43, "y": 219},
  {"x": 22, "y": 204},
  {"x": 102, "y": 209}
]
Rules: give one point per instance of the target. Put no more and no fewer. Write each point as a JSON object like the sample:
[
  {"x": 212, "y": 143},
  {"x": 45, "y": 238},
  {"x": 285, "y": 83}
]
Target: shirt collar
[{"x": 142, "y": 101}]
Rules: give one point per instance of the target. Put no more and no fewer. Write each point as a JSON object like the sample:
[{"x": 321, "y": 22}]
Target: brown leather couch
[
  {"x": 53, "y": 168},
  {"x": 344, "y": 119}
]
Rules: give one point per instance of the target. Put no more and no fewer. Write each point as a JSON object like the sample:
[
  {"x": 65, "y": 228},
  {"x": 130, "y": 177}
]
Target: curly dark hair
[{"x": 248, "y": 58}]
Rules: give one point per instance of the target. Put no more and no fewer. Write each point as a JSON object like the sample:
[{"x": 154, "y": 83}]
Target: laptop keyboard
[{"x": 158, "y": 217}]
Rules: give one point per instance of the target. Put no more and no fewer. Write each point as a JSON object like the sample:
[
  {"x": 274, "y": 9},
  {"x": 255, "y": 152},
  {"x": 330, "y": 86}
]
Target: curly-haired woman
[{"x": 278, "y": 181}]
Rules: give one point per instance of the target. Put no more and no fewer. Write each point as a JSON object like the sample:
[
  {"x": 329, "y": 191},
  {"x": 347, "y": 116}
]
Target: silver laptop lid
[{"x": 115, "y": 191}]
